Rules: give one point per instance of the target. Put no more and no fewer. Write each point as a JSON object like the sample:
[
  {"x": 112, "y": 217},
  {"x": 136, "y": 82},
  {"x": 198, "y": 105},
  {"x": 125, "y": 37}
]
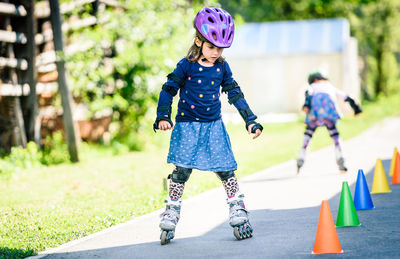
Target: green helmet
[{"x": 318, "y": 75}]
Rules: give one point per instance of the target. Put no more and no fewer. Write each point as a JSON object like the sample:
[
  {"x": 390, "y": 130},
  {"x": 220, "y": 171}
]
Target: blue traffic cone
[{"x": 362, "y": 197}]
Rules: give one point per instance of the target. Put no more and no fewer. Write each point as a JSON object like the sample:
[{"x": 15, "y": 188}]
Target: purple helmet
[{"x": 216, "y": 25}]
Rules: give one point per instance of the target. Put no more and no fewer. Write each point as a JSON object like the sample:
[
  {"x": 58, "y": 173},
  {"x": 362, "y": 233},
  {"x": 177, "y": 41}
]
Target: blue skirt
[{"x": 201, "y": 145}]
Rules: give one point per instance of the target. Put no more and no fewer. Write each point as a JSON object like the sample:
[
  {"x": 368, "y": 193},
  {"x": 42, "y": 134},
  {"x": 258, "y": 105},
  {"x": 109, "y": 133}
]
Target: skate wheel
[
  {"x": 237, "y": 234},
  {"x": 242, "y": 231},
  {"x": 249, "y": 230},
  {"x": 248, "y": 233},
  {"x": 164, "y": 238}
]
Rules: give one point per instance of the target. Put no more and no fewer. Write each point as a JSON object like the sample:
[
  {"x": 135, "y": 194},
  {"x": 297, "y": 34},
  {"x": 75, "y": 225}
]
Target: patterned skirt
[
  {"x": 322, "y": 109},
  {"x": 201, "y": 145}
]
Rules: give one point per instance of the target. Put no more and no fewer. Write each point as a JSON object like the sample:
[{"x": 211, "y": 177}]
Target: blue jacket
[{"x": 199, "y": 90}]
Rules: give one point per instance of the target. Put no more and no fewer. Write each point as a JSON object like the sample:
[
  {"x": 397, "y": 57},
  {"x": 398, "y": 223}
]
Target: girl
[
  {"x": 322, "y": 110},
  {"x": 199, "y": 139}
]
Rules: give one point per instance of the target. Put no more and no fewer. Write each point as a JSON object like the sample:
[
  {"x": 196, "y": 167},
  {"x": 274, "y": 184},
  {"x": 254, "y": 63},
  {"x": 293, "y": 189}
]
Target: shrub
[{"x": 55, "y": 150}]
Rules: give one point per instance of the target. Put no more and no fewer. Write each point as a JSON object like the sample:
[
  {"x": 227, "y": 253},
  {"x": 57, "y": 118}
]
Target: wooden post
[
  {"x": 32, "y": 120},
  {"x": 66, "y": 96},
  {"x": 19, "y": 128}
]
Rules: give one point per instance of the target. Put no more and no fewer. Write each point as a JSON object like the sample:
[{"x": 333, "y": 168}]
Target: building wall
[
  {"x": 277, "y": 83},
  {"x": 350, "y": 75}
]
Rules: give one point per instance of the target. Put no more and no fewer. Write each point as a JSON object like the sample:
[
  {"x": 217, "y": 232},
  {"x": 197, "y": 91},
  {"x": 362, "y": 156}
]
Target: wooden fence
[{"x": 31, "y": 33}]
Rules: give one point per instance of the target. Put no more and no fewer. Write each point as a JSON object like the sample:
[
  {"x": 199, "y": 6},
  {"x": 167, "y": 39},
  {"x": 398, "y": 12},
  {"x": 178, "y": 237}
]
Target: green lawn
[{"x": 46, "y": 207}]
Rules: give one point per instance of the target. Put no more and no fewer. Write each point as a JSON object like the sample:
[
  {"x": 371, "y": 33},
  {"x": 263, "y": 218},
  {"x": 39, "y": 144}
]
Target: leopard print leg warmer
[
  {"x": 231, "y": 186},
  {"x": 176, "y": 190}
]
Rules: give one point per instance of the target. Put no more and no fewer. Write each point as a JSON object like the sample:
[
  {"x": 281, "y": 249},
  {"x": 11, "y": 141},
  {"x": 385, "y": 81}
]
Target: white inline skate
[
  {"x": 238, "y": 217},
  {"x": 169, "y": 219},
  {"x": 340, "y": 160},
  {"x": 300, "y": 159}
]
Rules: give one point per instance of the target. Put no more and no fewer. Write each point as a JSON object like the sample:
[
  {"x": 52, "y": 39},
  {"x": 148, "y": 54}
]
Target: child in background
[
  {"x": 199, "y": 139},
  {"x": 322, "y": 110}
]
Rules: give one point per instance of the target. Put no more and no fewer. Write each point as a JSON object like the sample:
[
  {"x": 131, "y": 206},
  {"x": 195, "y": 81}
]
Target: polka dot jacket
[{"x": 199, "y": 91}]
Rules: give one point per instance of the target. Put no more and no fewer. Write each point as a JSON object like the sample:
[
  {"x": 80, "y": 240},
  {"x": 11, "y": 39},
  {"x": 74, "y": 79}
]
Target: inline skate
[
  {"x": 300, "y": 159},
  {"x": 169, "y": 219},
  {"x": 340, "y": 160},
  {"x": 238, "y": 217}
]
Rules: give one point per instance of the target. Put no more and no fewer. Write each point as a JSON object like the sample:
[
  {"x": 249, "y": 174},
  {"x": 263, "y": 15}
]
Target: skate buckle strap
[
  {"x": 172, "y": 202},
  {"x": 238, "y": 206},
  {"x": 237, "y": 197},
  {"x": 170, "y": 214},
  {"x": 236, "y": 211}
]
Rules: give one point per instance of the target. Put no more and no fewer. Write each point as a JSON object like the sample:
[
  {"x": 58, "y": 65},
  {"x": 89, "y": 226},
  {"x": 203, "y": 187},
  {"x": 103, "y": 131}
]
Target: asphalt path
[{"x": 284, "y": 211}]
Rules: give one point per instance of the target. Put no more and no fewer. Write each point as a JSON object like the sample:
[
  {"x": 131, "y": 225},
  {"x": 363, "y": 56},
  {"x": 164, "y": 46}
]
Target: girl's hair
[{"x": 194, "y": 52}]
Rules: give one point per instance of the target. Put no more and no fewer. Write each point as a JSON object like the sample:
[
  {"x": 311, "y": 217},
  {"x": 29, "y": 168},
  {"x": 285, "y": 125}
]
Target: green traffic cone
[{"x": 347, "y": 215}]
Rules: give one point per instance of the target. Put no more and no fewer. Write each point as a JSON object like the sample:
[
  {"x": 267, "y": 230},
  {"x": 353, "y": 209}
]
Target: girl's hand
[
  {"x": 258, "y": 131},
  {"x": 164, "y": 125}
]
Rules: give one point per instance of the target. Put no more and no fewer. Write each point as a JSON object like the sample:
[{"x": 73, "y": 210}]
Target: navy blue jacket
[{"x": 199, "y": 90}]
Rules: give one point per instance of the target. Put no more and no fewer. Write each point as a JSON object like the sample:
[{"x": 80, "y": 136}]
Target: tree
[
  {"x": 377, "y": 27},
  {"x": 128, "y": 55}
]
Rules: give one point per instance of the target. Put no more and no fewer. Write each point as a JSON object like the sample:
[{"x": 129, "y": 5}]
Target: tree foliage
[
  {"x": 130, "y": 52},
  {"x": 377, "y": 26}
]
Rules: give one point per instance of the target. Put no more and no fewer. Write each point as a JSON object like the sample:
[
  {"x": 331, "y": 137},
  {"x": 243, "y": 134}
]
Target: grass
[{"x": 46, "y": 207}]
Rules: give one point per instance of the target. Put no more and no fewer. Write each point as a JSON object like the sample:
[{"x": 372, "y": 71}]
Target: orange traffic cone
[
  {"x": 380, "y": 183},
  {"x": 326, "y": 240},
  {"x": 396, "y": 170},
  {"x": 395, "y": 151}
]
